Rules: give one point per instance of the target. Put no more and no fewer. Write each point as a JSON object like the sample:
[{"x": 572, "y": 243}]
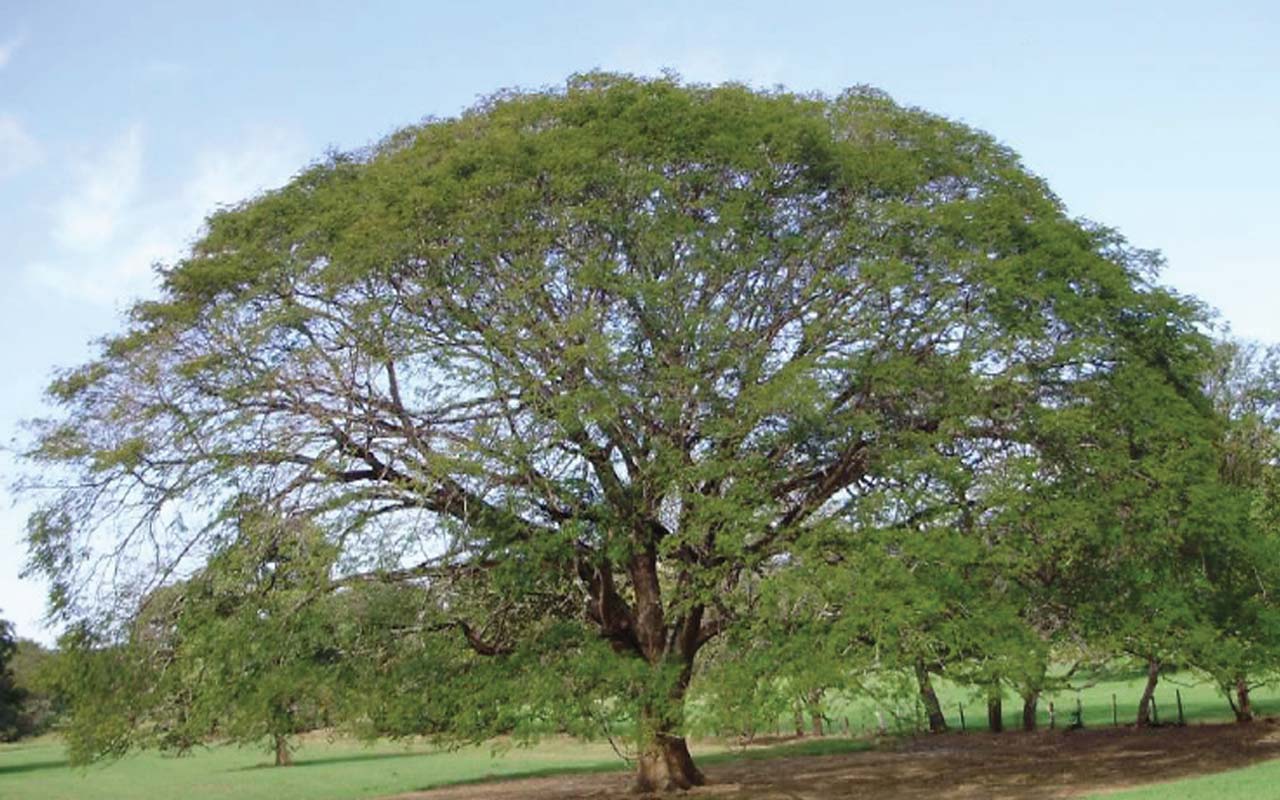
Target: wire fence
[{"x": 1169, "y": 705}]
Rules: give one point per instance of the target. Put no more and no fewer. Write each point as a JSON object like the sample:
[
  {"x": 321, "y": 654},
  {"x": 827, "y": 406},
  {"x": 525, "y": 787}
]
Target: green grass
[
  {"x": 1258, "y": 782},
  {"x": 345, "y": 770},
  {"x": 324, "y": 770}
]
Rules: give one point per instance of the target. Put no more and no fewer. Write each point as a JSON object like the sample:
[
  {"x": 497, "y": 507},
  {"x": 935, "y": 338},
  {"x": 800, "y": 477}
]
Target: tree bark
[
  {"x": 1243, "y": 707},
  {"x": 1029, "y": 702},
  {"x": 937, "y": 721},
  {"x": 665, "y": 765},
  {"x": 798, "y": 719},
  {"x": 815, "y": 711},
  {"x": 995, "y": 713},
  {"x": 1144, "y": 705},
  {"x": 283, "y": 757}
]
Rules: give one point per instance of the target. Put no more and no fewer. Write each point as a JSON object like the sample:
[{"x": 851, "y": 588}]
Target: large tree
[{"x": 588, "y": 363}]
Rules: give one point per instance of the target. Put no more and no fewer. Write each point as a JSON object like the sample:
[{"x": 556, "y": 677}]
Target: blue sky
[{"x": 122, "y": 125}]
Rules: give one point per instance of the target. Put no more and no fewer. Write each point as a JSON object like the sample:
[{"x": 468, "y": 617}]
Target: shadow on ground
[
  {"x": 32, "y": 766},
  {"x": 1010, "y": 766},
  {"x": 336, "y": 759}
]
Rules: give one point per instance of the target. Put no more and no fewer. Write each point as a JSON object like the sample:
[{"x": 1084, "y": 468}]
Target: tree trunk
[
  {"x": 995, "y": 713},
  {"x": 1029, "y": 689},
  {"x": 1148, "y": 692},
  {"x": 937, "y": 721},
  {"x": 1244, "y": 710},
  {"x": 283, "y": 757},
  {"x": 1029, "y": 702},
  {"x": 665, "y": 766},
  {"x": 815, "y": 711}
]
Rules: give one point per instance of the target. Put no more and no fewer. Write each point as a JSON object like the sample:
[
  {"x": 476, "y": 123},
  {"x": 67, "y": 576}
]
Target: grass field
[
  {"x": 1201, "y": 702},
  {"x": 1259, "y": 782},
  {"x": 325, "y": 770},
  {"x": 344, "y": 770}
]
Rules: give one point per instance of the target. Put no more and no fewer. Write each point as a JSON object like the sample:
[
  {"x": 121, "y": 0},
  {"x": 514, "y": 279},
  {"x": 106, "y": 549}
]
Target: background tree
[
  {"x": 1241, "y": 646},
  {"x": 11, "y": 696},
  {"x": 31, "y": 665},
  {"x": 1136, "y": 492},
  {"x": 257, "y": 636},
  {"x": 614, "y": 353},
  {"x": 243, "y": 651}
]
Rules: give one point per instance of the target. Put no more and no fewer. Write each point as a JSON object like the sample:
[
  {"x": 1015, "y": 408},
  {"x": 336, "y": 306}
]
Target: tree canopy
[{"x": 602, "y": 371}]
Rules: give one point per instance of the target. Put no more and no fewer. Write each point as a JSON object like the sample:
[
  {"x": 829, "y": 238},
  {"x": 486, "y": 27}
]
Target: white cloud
[
  {"x": 114, "y": 275},
  {"x": 117, "y": 222},
  {"x": 223, "y": 177},
  {"x": 87, "y": 218},
  {"x": 18, "y": 149},
  {"x": 11, "y": 46}
]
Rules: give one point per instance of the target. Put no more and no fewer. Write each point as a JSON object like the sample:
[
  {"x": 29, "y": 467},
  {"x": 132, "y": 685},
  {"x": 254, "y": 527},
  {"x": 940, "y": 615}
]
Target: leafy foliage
[
  {"x": 558, "y": 393},
  {"x": 11, "y": 696}
]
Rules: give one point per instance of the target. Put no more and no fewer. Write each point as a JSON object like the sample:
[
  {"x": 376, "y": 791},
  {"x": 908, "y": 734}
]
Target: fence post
[
  {"x": 961, "y": 707},
  {"x": 1079, "y": 711},
  {"x": 1181, "y": 719},
  {"x": 1115, "y": 714},
  {"x": 1052, "y": 716}
]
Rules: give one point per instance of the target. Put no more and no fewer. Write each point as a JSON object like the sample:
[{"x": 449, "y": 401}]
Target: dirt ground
[{"x": 1009, "y": 766}]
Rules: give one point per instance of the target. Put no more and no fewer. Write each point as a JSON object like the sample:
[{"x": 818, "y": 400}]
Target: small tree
[
  {"x": 1139, "y": 492},
  {"x": 243, "y": 651},
  {"x": 11, "y": 696},
  {"x": 1242, "y": 565},
  {"x": 257, "y": 636},
  {"x": 31, "y": 665}
]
